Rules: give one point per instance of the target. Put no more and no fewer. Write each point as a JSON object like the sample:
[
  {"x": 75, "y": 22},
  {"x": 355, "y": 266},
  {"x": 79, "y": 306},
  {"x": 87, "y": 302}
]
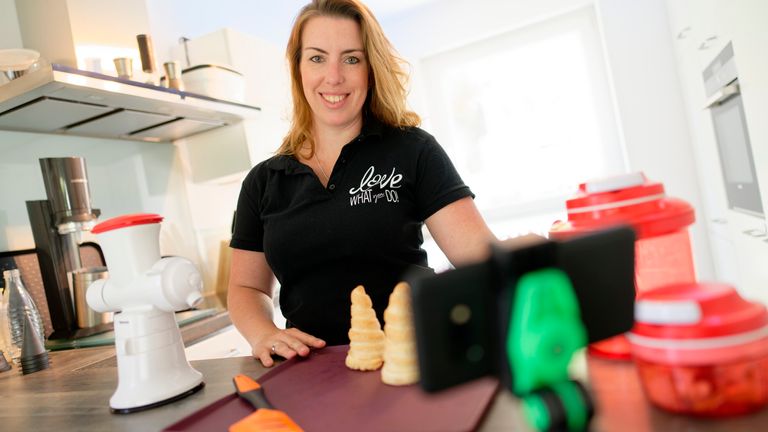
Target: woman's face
[{"x": 334, "y": 71}]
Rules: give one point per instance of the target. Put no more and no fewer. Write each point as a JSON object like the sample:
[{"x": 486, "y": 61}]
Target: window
[{"x": 526, "y": 116}]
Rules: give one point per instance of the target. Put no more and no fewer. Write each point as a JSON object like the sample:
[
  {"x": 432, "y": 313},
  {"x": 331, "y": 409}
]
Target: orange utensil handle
[
  {"x": 266, "y": 418},
  {"x": 250, "y": 390}
]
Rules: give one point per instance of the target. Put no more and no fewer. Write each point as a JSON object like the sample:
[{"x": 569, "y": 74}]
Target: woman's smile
[{"x": 334, "y": 100}]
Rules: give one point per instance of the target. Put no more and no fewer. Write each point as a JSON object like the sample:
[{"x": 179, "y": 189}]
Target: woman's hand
[
  {"x": 249, "y": 300},
  {"x": 286, "y": 343}
]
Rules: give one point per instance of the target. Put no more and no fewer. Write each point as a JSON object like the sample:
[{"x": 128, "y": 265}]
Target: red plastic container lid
[
  {"x": 126, "y": 221},
  {"x": 695, "y": 311},
  {"x": 625, "y": 199}
]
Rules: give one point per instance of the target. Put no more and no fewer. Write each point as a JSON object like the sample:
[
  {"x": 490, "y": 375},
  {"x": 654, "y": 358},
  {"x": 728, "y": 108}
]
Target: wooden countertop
[{"x": 73, "y": 394}]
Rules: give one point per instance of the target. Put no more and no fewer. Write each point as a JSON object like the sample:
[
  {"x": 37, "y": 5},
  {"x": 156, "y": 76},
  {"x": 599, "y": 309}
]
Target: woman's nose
[{"x": 334, "y": 74}]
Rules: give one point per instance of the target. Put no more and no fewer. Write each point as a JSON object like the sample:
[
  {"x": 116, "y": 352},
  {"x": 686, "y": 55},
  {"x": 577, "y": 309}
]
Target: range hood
[{"x": 59, "y": 99}]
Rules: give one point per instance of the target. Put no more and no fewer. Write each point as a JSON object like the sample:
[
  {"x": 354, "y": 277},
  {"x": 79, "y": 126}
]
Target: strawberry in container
[{"x": 701, "y": 349}]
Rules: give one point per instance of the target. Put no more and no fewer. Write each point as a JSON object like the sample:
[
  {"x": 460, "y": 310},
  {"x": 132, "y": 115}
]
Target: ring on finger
[{"x": 273, "y": 348}]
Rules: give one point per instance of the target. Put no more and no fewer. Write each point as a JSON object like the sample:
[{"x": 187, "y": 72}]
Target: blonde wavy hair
[{"x": 386, "y": 76}]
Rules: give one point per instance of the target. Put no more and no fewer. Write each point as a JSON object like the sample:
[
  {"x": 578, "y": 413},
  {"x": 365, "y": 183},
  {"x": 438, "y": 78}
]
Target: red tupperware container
[
  {"x": 663, "y": 248},
  {"x": 701, "y": 349}
]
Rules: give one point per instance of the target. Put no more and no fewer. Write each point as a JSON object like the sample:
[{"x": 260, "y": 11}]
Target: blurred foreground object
[
  {"x": 522, "y": 314},
  {"x": 663, "y": 249},
  {"x": 701, "y": 349}
]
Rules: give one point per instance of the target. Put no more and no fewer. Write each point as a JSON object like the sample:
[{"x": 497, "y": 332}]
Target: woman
[{"x": 344, "y": 200}]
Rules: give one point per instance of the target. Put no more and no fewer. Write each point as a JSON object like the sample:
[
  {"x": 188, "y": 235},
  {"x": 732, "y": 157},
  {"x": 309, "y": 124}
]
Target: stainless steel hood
[{"x": 61, "y": 100}]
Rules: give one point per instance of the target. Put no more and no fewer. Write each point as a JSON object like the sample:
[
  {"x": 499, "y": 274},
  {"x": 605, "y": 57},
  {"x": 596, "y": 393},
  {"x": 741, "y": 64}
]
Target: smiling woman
[{"x": 343, "y": 202}]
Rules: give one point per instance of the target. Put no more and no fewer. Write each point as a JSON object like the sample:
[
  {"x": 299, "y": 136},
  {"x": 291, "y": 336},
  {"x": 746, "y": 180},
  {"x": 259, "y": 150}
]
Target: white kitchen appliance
[
  {"x": 215, "y": 81},
  {"x": 144, "y": 290},
  {"x": 721, "y": 82}
]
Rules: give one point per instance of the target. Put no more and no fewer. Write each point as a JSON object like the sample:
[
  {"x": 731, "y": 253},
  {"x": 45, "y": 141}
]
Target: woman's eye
[
  {"x": 352, "y": 60},
  {"x": 316, "y": 59}
]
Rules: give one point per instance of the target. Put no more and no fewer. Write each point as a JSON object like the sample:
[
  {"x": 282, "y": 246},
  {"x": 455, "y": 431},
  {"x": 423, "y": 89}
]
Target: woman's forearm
[{"x": 251, "y": 312}]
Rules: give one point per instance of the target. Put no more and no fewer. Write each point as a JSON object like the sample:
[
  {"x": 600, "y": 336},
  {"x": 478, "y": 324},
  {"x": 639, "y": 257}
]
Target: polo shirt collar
[{"x": 371, "y": 127}]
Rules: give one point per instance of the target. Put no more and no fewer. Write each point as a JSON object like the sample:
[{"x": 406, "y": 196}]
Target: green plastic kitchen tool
[{"x": 545, "y": 330}]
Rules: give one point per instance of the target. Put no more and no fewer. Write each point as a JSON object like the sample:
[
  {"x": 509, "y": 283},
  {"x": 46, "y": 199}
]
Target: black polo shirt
[{"x": 364, "y": 228}]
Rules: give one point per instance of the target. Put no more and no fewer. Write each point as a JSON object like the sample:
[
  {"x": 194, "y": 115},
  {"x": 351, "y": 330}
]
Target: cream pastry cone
[
  {"x": 400, "y": 360},
  {"x": 366, "y": 339}
]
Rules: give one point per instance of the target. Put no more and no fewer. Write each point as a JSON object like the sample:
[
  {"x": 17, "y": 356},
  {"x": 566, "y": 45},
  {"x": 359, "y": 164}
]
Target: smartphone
[{"x": 461, "y": 316}]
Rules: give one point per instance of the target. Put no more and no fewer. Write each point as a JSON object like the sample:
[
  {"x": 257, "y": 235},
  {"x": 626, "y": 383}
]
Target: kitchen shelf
[{"x": 58, "y": 99}]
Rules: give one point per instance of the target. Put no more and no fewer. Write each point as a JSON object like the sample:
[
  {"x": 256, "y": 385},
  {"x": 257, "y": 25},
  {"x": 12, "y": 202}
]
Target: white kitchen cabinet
[
  {"x": 743, "y": 22},
  {"x": 700, "y": 29},
  {"x": 697, "y": 40},
  {"x": 724, "y": 257},
  {"x": 694, "y": 36},
  {"x": 748, "y": 237}
]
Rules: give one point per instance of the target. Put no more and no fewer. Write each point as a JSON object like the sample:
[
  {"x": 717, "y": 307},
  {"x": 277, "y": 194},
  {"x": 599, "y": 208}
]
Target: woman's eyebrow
[{"x": 347, "y": 51}]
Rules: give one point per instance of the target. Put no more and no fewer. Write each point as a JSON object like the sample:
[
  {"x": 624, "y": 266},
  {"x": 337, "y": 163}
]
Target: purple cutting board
[{"x": 320, "y": 393}]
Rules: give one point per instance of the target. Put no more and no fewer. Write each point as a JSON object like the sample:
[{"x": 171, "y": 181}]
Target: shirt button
[{"x": 331, "y": 186}]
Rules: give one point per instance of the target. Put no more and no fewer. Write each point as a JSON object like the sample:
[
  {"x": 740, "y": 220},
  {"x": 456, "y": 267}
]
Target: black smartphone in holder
[{"x": 461, "y": 316}]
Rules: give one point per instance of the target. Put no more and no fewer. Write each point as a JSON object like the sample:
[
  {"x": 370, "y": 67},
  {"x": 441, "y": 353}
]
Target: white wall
[{"x": 10, "y": 35}]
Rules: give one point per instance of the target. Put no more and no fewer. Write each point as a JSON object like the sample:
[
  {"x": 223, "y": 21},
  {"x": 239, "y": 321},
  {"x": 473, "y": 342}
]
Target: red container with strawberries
[{"x": 701, "y": 349}]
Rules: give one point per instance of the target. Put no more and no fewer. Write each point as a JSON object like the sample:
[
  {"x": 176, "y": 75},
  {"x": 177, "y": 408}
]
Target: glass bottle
[
  {"x": 5, "y": 329},
  {"x": 19, "y": 304}
]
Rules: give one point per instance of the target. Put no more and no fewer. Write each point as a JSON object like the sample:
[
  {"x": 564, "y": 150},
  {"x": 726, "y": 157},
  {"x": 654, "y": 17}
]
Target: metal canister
[{"x": 82, "y": 279}]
